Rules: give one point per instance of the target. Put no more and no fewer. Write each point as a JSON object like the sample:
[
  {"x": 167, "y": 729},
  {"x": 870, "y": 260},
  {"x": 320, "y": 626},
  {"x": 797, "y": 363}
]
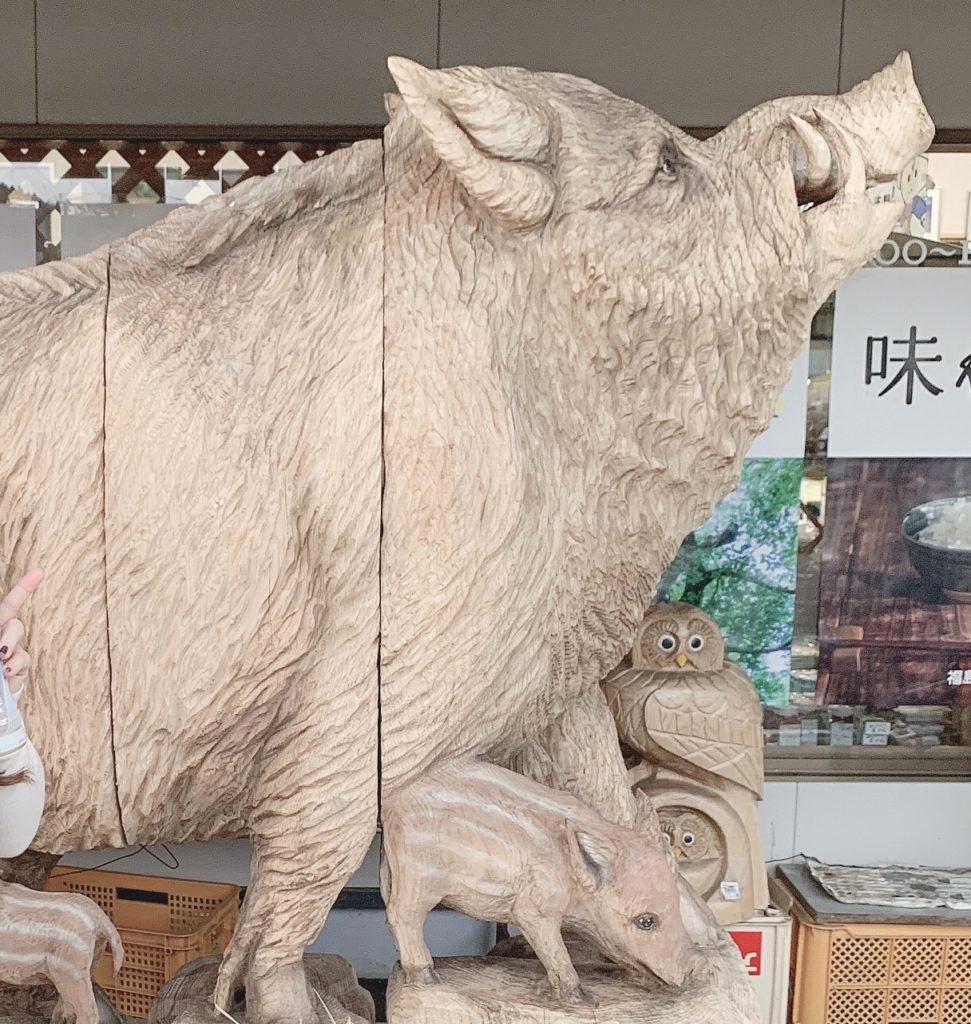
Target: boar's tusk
[
  {"x": 812, "y": 163},
  {"x": 855, "y": 181}
]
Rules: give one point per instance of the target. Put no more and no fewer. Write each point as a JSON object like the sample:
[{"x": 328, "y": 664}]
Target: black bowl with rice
[{"x": 938, "y": 539}]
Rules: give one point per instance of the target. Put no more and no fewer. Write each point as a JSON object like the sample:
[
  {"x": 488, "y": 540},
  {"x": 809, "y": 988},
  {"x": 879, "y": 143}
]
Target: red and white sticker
[{"x": 750, "y": 946}]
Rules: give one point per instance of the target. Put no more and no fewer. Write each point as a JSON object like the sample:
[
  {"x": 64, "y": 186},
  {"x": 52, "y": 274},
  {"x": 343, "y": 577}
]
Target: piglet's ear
[
  {"x": 592, "y": 858},
  {"x": 494, "y": 141},
  {"x": 647, "y": 821}
]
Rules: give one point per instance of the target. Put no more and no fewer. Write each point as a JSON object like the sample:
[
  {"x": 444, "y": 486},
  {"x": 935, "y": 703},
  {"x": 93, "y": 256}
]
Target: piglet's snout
[
  {"x": 679, "y": 968},
  {"x": 673, "y": 974}
]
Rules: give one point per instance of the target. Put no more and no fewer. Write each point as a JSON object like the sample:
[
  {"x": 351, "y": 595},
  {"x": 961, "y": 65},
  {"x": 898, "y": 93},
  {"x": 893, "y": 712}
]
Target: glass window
[{"x": 881, "y": 655}]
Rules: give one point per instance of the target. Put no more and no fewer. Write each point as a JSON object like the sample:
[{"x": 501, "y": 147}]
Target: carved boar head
[
  {"x": 670, "y": 279},
  {"x": 531, "y": 148}
]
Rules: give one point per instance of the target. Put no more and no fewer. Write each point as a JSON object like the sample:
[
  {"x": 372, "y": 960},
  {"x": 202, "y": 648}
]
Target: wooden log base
[
  {"x": 499, "y": 990},
  {"x": 35, "y": 1004},
  {"x": 187, "y": 998}
]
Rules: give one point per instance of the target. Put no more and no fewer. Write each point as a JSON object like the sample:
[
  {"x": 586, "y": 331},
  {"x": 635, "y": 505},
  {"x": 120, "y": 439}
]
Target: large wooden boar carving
[{"x": 406, "y": 435}]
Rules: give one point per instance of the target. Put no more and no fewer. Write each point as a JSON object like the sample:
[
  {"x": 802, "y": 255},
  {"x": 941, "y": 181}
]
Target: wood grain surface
[{"x": 484, "y": 990}]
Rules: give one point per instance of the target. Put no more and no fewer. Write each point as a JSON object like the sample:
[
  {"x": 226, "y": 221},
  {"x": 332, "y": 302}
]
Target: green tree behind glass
[{"x": 740, "y": 568}]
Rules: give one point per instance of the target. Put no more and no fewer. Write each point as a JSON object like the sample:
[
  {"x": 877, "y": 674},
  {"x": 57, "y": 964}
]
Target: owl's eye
[
  {"x": 667, "y": 642},
  {"x": 688, "y": 839},
  {"x": 696, "y": 642},
  {"x": 646, "y": 922}
]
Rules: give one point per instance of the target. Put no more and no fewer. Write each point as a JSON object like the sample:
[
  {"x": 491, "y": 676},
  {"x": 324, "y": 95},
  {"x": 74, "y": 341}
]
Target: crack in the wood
[{"x": 104, "y": 534}]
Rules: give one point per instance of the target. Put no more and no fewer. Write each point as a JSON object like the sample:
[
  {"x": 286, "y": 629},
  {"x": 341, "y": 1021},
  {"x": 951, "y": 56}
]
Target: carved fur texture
[{"x": 548, "y": 322}]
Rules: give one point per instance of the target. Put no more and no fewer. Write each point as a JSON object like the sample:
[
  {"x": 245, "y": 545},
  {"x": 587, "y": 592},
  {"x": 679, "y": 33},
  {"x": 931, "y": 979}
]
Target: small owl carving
[
  {"x": 683, "y": 705},
  {"x": 692, "y": 722},
  {"x": 698, "y": 845}
]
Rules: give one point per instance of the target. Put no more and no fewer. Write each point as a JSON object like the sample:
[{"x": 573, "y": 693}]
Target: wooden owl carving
[
  {"x": 695, "y": 720},
  {"x": 698, "y": 845}
]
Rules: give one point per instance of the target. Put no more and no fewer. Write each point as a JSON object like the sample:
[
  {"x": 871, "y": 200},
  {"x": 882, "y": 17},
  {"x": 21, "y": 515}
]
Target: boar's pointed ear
[
  {"x": 591, "y": 857},
  {"x": 494, "y": 141}
]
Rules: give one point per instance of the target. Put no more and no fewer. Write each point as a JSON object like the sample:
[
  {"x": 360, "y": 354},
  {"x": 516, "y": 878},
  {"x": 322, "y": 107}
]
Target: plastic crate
[
  {"x": 163, "y": 922},
  {"x": 764, "y": 942},
  {"x": 881, "y": 974}
]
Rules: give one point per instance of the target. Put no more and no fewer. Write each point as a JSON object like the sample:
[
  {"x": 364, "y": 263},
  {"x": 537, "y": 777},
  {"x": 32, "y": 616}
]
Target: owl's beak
[
  {"x": 682, "y": 660},
  {"x": 678, "y": 853}
]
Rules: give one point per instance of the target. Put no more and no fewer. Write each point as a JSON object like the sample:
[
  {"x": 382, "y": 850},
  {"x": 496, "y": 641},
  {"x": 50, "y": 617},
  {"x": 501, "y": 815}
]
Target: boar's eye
[
  {"x": 669, "y": 162},
  {"x": 646, "y": 922}
]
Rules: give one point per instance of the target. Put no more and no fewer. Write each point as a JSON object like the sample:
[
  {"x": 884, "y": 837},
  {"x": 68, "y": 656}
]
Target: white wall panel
[
  {"x": 18, "y": 234},
  {"x": 86, "y": 227},
  {"x": 777, "y": 819},
  {"x": 885, "y": 822}
]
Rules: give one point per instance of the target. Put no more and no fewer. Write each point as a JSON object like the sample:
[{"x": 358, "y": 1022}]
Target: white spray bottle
[{"x": 13, "y": 735}]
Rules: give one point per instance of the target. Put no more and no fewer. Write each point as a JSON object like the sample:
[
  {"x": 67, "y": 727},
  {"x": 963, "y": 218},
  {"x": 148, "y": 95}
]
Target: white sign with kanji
[
  {"x": 901, "y": 375},
  {"x": 786, "y": 435}
]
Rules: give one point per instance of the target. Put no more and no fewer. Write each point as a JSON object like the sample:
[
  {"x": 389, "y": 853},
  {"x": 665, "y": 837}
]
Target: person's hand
[{"x": 16, "y": 661}]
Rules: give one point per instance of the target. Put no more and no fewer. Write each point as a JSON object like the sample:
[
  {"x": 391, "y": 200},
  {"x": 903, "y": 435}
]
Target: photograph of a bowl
[{"x": 942, "y": 566}]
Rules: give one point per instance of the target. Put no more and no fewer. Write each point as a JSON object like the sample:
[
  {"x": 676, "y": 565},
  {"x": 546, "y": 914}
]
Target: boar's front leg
[
  {"x": 543, "y": 934},
  {"x": 314, "y": 816}
]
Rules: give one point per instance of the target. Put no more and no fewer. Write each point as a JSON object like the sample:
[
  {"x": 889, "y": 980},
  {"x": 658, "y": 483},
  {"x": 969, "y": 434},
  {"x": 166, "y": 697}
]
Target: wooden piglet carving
[
  {"x": 499, "y": 847},
  {"x": 55, "y": 937}
]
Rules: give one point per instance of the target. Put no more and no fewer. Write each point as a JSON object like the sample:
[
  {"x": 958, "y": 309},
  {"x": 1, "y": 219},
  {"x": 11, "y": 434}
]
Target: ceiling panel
[
  {"x": 248, "y": 62},
  {"x": 937, "y": 35},
  {"x": 697, "y": 63},
  {"x": 17, "y": 61}
]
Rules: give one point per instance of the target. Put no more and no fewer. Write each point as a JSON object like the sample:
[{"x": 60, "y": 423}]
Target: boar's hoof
[
  {"x": 574, "y": 996},
  {"x": 421, "y": 976}
]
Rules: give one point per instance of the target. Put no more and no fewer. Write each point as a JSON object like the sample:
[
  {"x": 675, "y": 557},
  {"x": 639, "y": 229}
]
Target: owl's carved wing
[{"x": 712, "y": 720}]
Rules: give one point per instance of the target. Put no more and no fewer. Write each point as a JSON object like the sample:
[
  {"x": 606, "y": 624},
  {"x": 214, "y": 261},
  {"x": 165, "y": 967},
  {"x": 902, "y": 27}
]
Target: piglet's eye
[{"x": 646, "y": 922}]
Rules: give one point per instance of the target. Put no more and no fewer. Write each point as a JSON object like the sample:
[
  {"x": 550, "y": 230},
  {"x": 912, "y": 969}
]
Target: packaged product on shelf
[{"x": 842, "y": 730}]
